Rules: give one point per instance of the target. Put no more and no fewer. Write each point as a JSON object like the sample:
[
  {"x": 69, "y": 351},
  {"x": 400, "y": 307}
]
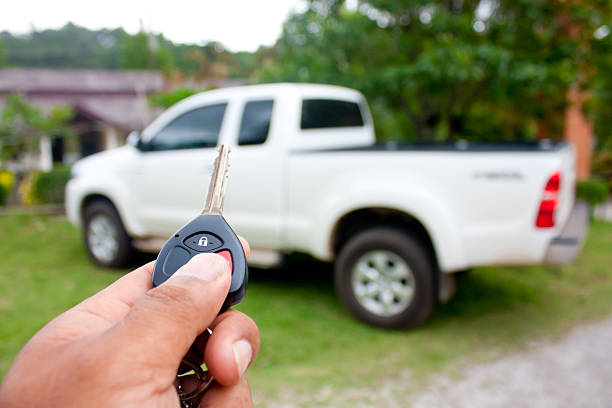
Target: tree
[
  {"x": 600, "y": 105},
  {"x": 145, "y": 51},
  {"x": 448, "y": 69},
  {"x": 68, "y": 47},
  {"x": 2, "y": 53},
  {"x": 212, "y": 62},
  {"x": 72, "y": 46},
  {"x": 22, "y": 126}
]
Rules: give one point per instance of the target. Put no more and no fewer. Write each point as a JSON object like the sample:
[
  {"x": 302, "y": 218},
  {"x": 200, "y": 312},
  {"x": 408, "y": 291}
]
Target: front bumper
[
  {"x": 564, "y": 248},
  {"x": 71, "y": 201}
]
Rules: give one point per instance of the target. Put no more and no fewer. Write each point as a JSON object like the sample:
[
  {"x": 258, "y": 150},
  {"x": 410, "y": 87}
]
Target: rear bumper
[
  {"x": 71, "y": 203},
  {"x": 566, "y": 246}
]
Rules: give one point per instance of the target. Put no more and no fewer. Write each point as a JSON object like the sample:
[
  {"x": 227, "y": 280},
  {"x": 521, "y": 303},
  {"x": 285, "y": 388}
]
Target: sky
[{"x": 240, "y": 25}]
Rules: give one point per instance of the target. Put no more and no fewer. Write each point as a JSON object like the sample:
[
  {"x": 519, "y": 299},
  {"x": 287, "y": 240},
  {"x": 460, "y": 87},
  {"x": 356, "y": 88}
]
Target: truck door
[
  {"x": 171, "y": 178},
  {"x": 253, "y": 204}
]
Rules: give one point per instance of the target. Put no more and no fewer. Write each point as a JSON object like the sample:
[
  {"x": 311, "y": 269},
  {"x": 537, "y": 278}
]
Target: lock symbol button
[{"x": 203, "y": 242}]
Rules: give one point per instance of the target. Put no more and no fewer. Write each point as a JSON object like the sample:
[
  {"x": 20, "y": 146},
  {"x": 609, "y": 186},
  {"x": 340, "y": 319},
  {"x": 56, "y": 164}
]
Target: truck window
[
  {"x": 197, "y": 128},
  {"x": 327, "y": 113},
  {"x": 255, "y": 122}
]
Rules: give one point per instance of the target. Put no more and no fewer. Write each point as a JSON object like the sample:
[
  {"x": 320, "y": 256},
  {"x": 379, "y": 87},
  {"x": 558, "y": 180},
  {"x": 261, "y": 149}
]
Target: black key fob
[{"x": 205, "y": 233}]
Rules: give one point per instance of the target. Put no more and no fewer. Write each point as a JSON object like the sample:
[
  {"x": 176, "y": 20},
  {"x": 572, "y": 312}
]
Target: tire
[
  {"x": 386, "y": 278},
  {"x": 105, "y": 238}
]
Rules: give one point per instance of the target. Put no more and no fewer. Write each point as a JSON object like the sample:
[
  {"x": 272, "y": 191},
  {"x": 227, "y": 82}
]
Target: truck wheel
[
  {"x": 105, "y": 238},
  {"x": 386, "y": 278}
]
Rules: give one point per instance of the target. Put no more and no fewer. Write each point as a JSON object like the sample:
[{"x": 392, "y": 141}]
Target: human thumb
[{"x": 165, "y": 321}]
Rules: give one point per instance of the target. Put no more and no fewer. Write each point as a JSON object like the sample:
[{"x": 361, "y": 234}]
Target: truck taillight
[
  {"x": 549, "y": 202},
  {"x": 552, "y": 186}
]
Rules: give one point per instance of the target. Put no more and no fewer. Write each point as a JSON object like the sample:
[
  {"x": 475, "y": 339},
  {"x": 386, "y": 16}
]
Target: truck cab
[{"x": 165, "y": 172}]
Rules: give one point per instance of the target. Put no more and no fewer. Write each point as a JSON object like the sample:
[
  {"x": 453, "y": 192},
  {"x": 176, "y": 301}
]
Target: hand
[{"x": 122, "y": 346}]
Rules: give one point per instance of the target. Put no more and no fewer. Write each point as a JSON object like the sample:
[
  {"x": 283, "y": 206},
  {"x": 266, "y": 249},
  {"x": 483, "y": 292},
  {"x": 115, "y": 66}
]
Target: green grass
[{"x": 308, "y": 339}]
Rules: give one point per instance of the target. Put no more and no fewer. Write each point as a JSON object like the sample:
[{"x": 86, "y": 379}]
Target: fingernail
[
  {"x": 206, "y": 267},
  {"x": 242, "y": 354}
]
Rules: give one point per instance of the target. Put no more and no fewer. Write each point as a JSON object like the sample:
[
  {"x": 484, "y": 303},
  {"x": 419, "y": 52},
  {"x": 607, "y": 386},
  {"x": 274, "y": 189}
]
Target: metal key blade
[{"x": 218, "y": 183}]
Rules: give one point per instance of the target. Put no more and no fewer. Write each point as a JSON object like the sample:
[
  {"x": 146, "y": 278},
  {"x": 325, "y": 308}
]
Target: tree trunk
[{"x": 579, "y": 132}]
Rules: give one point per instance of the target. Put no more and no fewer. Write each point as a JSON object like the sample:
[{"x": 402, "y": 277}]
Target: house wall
[{"x": 112, "y": 137}]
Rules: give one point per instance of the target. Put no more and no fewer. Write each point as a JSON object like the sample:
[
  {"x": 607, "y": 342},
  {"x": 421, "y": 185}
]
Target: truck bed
[{"x": 479, "y": 202}]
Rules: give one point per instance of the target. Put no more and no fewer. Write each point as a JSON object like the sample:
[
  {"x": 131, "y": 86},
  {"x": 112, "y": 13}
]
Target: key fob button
[
  {"x": 228, "y": 258},
  {"x": 203, "y": 242},
  {"x": 176, "y": 258}
]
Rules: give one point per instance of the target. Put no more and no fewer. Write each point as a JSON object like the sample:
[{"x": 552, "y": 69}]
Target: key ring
[
  {"x": 192, "y": 361},
  {"x": 191, "y": 399}
]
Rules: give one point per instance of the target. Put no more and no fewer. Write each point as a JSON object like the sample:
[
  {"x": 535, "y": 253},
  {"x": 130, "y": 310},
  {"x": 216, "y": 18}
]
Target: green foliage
[
  {"x": 2, "y": 53},
  {"x": 49, "y": 187},
  {"x": 445, "y": 69},
  {"x": 145, "y": 51},
  {"x": 602, "y": 166},
  {"x": 7, "y": 181},
  {"x": 167, "y": 99},
  {"x": 601, "y": 101},
  {"x": 69, "y": 47},
  {"x": 77, "y": 47},
  {"x": 22, "y": 125},
  {"x": 594, "y": 191},
  {"x": 4, "y": 192}
]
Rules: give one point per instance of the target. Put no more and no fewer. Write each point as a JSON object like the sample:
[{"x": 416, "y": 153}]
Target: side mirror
[{"x": 133, "y": 139}]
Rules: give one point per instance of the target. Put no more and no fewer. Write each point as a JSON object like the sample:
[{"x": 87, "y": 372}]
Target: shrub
[
  {"x": 7, "y": 180},
  {"x": 167, "y": 99},
  {"x": 602, "y": 166},
  {"x": 49, "y": 187},
  {"x": 3, "y": 195},
  {"x": 593, "y": 191}
]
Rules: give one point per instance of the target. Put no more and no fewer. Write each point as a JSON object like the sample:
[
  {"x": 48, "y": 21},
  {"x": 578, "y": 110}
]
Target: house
[{"x": 107, "y": 105}]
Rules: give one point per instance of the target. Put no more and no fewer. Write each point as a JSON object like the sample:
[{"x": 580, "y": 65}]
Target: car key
[{"x": 208, "y": 232}]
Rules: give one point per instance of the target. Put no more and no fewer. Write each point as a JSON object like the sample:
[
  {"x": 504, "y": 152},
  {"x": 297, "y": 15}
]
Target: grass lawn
[{"x": 309, "y": 342}]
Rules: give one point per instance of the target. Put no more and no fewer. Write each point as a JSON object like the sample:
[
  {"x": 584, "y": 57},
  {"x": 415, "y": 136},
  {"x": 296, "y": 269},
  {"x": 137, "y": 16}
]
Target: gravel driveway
[{"x": 574, "y": 371}]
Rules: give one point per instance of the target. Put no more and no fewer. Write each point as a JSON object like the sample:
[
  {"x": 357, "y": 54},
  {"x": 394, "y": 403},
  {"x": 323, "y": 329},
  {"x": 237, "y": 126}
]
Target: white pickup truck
[{"x": 306, "y": 176}]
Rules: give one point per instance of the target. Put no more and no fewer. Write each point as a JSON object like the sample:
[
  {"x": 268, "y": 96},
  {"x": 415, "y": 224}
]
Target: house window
[
  {"x": 327, "y": 113},
  {"x": 194, "y": 129},
  {"x": 255, "y": 122}
]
